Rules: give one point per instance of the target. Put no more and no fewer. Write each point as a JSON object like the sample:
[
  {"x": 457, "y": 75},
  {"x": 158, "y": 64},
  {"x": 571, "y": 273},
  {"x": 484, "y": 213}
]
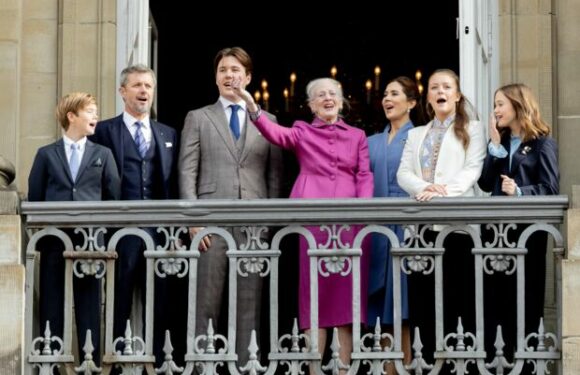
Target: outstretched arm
[{"x": 274, "y": 133}]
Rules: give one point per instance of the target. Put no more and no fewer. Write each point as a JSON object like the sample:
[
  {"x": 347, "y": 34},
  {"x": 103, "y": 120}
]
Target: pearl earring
[{"x": 408, "y": 110}]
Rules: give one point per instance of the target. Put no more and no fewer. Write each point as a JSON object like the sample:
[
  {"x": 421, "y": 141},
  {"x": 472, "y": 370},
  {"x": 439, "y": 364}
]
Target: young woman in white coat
[{"x": 444, "y": 159}]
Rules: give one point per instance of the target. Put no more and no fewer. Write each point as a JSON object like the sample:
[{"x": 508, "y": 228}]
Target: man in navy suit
[
  {"x": 145, "y": 151},
  {"x": 72, "y": 169}
]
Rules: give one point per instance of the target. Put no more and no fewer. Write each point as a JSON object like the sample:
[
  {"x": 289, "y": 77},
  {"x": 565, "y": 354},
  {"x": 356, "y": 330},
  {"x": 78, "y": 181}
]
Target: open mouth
[{"x": 441, "y": 100}]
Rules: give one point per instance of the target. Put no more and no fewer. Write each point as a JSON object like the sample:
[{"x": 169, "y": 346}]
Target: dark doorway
[{"x": 398, "y": 36}]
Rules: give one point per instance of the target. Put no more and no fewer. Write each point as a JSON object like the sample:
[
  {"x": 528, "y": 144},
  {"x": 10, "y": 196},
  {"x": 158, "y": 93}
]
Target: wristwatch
[{"x": 254, "y": 115}]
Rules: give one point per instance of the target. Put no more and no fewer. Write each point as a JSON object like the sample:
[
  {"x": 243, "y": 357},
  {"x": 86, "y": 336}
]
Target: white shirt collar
[
  {"x": 226, "y": 103},
  {"x": 130, "y": 120},
  {"x": 81, "y": 142}
]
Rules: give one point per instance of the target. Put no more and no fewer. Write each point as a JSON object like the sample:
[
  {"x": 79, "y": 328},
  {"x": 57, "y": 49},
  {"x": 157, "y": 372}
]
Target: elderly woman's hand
[{"x": 244, "y": 95}]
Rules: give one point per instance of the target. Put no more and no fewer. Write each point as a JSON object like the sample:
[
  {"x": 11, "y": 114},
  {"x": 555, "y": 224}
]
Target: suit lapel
[
  {"x": 61, "y": 156},
  {"x": 419, "y": 145},
  {"x": 117, "y": 141},
  {"x": 251, "y": 135},
  {"x": 161, "y": 147},
  {"x": 520, "y": 154},
  {"x": 87, "y": 156},
  {"x": 218, "y": 118}
]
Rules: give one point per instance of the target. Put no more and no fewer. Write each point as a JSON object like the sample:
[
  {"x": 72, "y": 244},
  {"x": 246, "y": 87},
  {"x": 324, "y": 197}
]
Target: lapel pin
[{"x": 526, "y": 149}]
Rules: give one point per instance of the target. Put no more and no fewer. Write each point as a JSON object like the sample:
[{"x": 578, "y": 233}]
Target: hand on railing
[
  {"x": 431, "y": 191},
  {"x": 205, "y": 242}
]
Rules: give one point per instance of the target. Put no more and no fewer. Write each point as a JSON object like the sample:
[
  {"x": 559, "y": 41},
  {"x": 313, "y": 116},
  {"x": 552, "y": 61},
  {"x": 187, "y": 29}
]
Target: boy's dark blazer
[{"x": 50, "y": 178}]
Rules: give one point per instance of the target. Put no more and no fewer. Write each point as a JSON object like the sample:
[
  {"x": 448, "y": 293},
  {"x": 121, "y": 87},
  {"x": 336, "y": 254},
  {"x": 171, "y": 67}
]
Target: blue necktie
[
  {"x": 235, "y": 121},
  {"x": 74, "y": 161},
  {"x": 140, "y": 139}
]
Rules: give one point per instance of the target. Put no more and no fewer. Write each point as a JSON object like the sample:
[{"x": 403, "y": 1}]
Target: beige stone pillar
[
  {"x": 11, "y": 276},
  {"x": 48, "y": 48},
  {"x": 567, "y": 108},
  {"x": 571, "y": 289},
  {"x": 568, "y": 91},
  {"x": 10, "y": 47},
  {"x": 525, "y": 39}
]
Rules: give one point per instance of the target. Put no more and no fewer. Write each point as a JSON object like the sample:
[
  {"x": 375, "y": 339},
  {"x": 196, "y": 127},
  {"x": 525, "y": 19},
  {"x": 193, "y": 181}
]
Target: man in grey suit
[{"x": 225, "y": 157}]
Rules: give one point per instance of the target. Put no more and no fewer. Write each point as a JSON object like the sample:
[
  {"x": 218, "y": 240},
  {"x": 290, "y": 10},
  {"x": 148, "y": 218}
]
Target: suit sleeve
[
  {"x": 97, "y": 137},
  {"x": 189, "y": 158},
  {"x": 548, "y": 171},
  {"x": 173, "y": 177},
  {"x": 406, "y": 177},
  {"x": 467, "y": 177},
  {"x": 364, "y": 176},
  {"x": 275, "y": 170},
  {"x": 490, "y": 173},
  {"x": 111, "y": 182},
  {"x": 37, "y": 179}
]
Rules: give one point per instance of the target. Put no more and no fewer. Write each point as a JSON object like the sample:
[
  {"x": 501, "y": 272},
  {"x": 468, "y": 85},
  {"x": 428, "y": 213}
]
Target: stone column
[
  {"x": 571, "y": 289},
  {"x": 11, "y": 275}
]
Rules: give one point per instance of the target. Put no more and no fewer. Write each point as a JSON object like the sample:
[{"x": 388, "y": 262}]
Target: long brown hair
[
  {"x": 527, "y": 110},
  {"x": 461, "y": 113}
]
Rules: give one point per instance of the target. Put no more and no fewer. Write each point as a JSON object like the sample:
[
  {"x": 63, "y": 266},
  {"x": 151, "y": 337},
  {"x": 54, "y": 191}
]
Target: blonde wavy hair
[{"x": 527, "y": 110}]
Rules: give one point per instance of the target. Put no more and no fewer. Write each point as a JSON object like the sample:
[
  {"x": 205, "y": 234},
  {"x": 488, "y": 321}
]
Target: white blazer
[{"x": 457, "y": 168}]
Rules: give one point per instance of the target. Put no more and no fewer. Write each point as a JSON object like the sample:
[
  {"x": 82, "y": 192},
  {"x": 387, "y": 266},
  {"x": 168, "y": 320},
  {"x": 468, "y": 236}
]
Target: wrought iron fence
[{"x": 455, "y": 348}]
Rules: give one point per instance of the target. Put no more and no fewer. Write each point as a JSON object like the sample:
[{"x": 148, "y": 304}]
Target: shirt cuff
[
  {"x": 497, "y": 151},
  {"x": 254, "y": 115},
  {"x": 519, "y": 191}
]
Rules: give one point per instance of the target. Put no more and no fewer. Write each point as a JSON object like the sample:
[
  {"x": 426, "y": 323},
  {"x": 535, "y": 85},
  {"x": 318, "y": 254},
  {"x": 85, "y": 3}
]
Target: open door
[{"x": 478, "y": 53}]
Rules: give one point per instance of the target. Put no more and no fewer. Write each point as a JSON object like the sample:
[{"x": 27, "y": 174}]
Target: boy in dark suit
[{"x": 72, "y": 169}]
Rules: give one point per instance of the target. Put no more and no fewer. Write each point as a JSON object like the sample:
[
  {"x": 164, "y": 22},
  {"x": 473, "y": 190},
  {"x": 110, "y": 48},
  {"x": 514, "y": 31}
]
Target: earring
[{"x": 408, "y": 110}]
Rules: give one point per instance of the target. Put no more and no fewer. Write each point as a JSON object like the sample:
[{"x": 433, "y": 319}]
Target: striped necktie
[{"x": 140, "y": 139}]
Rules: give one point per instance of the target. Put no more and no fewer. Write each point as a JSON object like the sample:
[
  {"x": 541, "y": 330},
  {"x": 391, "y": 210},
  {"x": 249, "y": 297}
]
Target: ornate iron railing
[{"x": 292, "y": 352}]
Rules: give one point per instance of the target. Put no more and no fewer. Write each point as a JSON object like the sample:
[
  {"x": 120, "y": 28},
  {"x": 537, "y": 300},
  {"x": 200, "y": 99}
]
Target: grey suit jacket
[
  {"x": 50, "y": 178},
  {"x": 214, "y": 166}
]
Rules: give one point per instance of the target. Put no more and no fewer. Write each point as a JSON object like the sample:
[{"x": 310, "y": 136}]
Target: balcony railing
[{"x": 292, "y": 352}]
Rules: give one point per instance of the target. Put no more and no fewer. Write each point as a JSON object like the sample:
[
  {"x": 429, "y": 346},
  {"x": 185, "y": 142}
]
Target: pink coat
[{"x": 334, "y": 163}]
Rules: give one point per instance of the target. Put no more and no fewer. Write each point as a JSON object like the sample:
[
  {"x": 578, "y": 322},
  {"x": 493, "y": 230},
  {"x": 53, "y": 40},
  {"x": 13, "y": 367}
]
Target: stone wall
[{"x": 11, "y": 276}]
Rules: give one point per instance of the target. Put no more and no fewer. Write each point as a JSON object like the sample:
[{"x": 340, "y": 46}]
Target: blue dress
[{"x": 385, "y": 159}]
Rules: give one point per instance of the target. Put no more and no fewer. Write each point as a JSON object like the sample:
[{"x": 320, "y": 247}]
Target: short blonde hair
[{"x": 73, "y": 102}]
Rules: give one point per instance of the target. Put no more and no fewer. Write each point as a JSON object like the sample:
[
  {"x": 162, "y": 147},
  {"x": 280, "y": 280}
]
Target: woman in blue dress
[{"x": 401, "y": 99}]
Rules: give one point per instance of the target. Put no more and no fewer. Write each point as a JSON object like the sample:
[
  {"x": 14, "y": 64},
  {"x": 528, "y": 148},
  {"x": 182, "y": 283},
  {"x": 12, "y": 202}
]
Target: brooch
[{"x": 526, "y": 149}]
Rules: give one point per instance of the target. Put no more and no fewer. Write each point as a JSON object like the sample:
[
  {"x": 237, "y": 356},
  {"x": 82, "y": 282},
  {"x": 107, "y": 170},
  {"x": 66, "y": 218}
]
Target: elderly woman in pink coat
[{"x": 334, "y": 163}]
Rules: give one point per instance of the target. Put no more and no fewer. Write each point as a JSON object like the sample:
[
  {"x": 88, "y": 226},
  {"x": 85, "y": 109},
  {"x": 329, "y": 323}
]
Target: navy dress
[{"x": 385, "y": 159}]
